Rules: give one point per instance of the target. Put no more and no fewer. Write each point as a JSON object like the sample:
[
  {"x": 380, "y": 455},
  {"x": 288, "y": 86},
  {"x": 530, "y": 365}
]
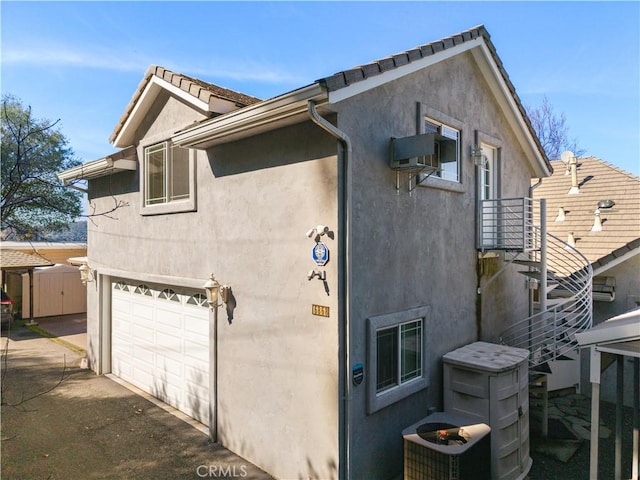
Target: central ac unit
[{"x": 444, "y": 446}]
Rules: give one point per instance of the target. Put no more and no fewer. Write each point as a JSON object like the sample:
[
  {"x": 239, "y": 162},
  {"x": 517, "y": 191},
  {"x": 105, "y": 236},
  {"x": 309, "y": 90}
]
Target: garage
[{"x": 160, "y": 343}]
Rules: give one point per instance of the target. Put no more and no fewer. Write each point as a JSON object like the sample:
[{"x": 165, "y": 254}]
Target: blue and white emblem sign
[{"x": 320, "y": 254}]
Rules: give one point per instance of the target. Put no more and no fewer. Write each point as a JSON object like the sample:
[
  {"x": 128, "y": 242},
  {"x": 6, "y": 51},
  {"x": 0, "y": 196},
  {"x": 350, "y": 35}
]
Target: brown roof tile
[
  {"x": 598, "y": 180},
  {"x": 197, "y": 88},
  {"x": 337, "y": 80}
]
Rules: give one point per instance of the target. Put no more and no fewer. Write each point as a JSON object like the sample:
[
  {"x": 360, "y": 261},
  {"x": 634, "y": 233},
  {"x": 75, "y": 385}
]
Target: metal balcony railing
[{"x": 506, "y": 224}]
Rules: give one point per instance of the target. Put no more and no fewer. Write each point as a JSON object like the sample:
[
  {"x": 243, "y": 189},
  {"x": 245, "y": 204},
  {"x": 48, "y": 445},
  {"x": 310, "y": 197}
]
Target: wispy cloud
[{"x": 59, "y": 56}]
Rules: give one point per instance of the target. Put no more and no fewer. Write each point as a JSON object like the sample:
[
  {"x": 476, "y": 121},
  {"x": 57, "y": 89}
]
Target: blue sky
[{"x": 81, "y": 62}]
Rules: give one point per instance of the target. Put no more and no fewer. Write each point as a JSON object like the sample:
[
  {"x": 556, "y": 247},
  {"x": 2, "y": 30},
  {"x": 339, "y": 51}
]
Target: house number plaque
[{"x": 320, "y": 310}]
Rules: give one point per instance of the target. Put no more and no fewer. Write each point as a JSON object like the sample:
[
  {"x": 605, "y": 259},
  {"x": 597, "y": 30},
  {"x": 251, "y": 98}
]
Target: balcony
[{"x": 507, "y": 224}]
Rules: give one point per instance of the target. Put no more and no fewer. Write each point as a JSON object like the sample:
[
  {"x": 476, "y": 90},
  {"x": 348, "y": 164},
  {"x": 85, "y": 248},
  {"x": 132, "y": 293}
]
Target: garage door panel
[
  {"x": 169, "y": 342},
  {"x": 141, "y": 310},
  {"x": 196, "y": 353},
  {"x": 144, "y": 354},
  {"x": 170, "y": 366},
  {"x": 196, "y": 325},
  {"x": 161, "y": 345}
]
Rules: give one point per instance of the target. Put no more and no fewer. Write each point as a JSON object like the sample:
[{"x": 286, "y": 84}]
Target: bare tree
[{"x": 552, "y": 130}]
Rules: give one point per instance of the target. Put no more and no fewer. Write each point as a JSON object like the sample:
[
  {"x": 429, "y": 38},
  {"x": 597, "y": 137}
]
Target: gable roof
[
  {"x": 597, "y": 180},
  {"x": 207, "y": 97},
  {"x": 292, "y": 107}
]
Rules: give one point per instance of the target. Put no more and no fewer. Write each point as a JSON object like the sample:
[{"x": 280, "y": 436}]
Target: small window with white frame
[
  {"x": 168, "y": 179},
  {"x": 397, "y": 357},
  {"x": 446, "y": 157}
]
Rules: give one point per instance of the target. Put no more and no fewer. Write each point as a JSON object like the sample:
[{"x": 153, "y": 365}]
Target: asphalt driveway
[{"x": 62, "y": 422}]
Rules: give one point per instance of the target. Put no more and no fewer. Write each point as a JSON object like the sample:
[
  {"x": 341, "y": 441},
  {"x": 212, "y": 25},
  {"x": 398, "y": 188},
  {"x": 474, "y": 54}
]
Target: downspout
[
  {"x": 344, "y": 279},
  {"x": 531, "y": 189}
]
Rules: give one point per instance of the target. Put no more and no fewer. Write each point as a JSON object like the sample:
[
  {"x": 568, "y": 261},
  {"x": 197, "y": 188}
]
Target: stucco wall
[
  {"x": 278, "y": 363},
  {"x": 420, "y": 249}
]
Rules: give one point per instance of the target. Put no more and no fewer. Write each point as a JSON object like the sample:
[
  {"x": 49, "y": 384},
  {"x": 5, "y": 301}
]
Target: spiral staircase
[{"x": 559, "y": 273}]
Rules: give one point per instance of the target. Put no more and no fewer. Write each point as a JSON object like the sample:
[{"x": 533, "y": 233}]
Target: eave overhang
[
  {"x": 487, "y": 61},
  {"x": 155, "y": 85},
  {"x": 258, "y": 118},
  {"x": 123, "y": 160}
]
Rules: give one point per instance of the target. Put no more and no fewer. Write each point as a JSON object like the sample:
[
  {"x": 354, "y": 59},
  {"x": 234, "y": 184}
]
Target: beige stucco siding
[
  {"x": 278, "y": 363},
  {"x": 417, "y": 249}
]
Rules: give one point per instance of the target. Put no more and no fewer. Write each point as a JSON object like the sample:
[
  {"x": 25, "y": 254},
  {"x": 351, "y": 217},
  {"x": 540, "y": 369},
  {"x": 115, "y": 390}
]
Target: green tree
[
  {"x": 552, "y": 130},
  {"x": 34, "y": 203}
]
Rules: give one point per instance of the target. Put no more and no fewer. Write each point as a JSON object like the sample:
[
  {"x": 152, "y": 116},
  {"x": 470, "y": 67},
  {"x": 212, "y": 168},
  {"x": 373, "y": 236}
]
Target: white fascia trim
[
  {"x": 613, "y": 263},
  {"x": 96, "y": 168},
  {"x": 393, "y": 74},
  {"x": 494, "y": 78},
  {"x": 251, "y": 117},
  {"x": 147, "y": 97}
]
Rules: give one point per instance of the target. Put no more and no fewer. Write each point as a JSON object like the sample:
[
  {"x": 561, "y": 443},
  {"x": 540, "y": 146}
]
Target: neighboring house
[
  {"x": 344, "y": 217},
  {"x": 597, "y": 209},
  {"x": 57, "y": 290}
]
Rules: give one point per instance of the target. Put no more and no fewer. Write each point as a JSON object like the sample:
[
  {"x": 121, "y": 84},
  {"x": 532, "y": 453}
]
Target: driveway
[{"x": 60, "y": 422}]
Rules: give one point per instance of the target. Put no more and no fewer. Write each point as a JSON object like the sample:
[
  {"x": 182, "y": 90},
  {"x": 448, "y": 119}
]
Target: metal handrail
[{"x": 551, "y": 333}]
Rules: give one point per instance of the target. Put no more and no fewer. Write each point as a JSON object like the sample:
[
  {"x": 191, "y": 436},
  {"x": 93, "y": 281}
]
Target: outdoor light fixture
[
  {"x": 212, "y": 287},
  {"x": 478, "y": 156},
  {"x": 86, "y": 275}
]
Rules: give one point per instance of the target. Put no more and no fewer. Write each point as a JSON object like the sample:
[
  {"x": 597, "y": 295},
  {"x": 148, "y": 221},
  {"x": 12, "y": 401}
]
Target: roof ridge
[
  {"x": 604, "y": 163},
  {"x": 344, "y": 78},
  {"x": 615, "y": 167}
]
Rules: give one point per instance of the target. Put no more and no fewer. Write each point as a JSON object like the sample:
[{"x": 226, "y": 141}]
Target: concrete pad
[{"x": 62, "y": 422}]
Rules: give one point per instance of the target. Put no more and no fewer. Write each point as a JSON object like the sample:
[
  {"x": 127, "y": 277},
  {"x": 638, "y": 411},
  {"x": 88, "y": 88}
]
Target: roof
[
  {"x": 211, "y": 98},
  {"x": 597, "y": 180},
  {"x": 122, "y": 160},
  {"x": 620, "y": 334},
  {"x": 14, "y": 260},
  {"x": 36, "y": 246},
  {"x": 229, "y": 116},
  {"x": 292, "y": 106},
  {"x": 349, "y": 77}
]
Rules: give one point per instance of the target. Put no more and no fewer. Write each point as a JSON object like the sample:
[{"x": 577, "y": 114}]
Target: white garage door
[{"x": 160, "y": 344}]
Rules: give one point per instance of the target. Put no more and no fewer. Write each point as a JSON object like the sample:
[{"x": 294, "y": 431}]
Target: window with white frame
[
  {"x": 446, "y": 156},
  {"x": 168, "y": 179},
  {"x": 397, "y": 356}
]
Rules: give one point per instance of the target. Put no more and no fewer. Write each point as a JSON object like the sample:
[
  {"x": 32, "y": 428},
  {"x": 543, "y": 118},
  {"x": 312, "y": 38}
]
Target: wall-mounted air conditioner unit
[{"x": 409, "y": 152}]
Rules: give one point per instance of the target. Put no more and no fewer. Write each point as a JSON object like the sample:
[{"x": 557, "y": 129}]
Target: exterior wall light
[
  {"x": 86, "y": 274},
  {"x": 478, "y": 156},
  {"x": 212, "y": 287}
]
